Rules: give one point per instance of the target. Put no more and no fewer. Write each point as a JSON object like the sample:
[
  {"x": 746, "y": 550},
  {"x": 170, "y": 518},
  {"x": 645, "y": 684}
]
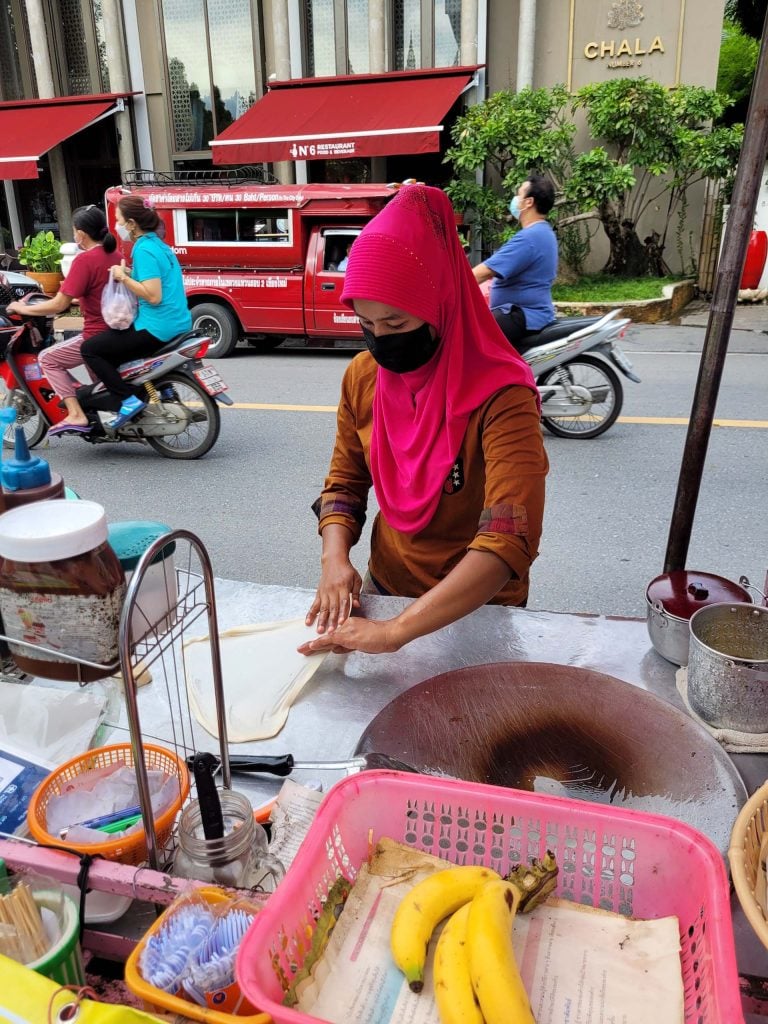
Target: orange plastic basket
[
  {"x": 163, "y": 1002},
  {"x": 129, "y": 849}
]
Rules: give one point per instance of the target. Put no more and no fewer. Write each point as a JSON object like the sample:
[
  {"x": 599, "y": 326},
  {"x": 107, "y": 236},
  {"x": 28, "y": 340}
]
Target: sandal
[{"x": 69, "y": 428}]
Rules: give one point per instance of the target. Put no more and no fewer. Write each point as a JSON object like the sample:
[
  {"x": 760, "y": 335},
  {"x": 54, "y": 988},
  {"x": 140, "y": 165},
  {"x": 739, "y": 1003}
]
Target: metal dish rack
[{"x": 159, "y": 644}]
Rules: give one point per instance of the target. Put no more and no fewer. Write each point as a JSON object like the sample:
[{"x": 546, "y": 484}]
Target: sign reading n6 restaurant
[{"x": 626, "y": 39}]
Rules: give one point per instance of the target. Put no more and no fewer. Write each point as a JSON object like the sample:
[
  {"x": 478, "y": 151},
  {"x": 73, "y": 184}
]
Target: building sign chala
[{"x": 629, "y": 51}]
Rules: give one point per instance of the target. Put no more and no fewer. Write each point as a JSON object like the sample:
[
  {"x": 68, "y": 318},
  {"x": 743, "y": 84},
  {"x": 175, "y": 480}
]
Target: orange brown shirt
[{"x": 492, "y": 500}]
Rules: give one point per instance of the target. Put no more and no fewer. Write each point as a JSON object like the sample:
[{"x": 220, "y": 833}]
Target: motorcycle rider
[
  {"x": 156, "y": 280},
  {"x": 84, "y": 282},
  {"x": 523, "y": 270}
]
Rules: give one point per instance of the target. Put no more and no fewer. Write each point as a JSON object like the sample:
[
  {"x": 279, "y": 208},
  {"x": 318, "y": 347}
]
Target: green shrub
[{"x": 41, "y": 253}]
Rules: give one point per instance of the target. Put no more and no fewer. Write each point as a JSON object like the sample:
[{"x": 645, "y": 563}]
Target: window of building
[
  {"x": 417, "y": 32},
  {"x": 272, "y": 227},
  {"x": 407, "y": 32},
  {"x": 11, "y": 86},
  {"x": 101, "y": 44},
  {"x": 234, "y": 78},
  {"x": 187, "y": 50},
  {"x": 207, "y": 39},
  {"x": 358, "y": 55},
  {"x": 447, "y": 33},
  {"x": 77, "y": 70},
  {"x": 321, "y": 38}
]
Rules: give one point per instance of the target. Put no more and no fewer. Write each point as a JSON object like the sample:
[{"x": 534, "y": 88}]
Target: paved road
[{"x": 609, "y": 500}]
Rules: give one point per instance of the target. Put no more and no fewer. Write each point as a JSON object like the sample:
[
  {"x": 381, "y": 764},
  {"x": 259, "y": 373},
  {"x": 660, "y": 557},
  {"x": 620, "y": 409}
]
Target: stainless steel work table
[{"x": 329, "y": 717}]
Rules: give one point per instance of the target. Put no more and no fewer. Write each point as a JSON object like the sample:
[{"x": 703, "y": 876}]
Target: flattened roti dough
[{"x": 262, "y": 672}]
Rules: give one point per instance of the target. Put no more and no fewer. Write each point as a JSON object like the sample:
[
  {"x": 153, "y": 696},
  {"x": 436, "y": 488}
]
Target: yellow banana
[
  {"x": 423, "y": 908},
  {"x": 495, "y": 976},
  {"x": 454, "y": 995}
]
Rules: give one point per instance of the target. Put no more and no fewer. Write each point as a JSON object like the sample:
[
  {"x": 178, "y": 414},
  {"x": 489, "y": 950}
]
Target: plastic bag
[{"x": 118, "y": 305}]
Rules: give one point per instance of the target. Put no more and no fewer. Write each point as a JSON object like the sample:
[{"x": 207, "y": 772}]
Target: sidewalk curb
[{"x": 641, "y": 311}]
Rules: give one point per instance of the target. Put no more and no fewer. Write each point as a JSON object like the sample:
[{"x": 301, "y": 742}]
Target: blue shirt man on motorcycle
[{"x": 523, "y": 270}]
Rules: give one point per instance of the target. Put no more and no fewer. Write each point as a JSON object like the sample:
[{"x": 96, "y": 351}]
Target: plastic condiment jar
[{"x": 61, "y": 589}]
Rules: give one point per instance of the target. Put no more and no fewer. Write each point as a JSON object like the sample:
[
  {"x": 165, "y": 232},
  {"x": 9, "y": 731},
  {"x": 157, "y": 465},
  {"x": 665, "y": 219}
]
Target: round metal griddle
[{"x": 566, "y": 731}]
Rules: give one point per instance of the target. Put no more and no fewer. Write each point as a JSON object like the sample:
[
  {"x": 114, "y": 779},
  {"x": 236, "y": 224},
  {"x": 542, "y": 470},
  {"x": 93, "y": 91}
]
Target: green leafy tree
[
  {"x": 736, "y": 69},
  {"x": 750, "y": 14},
  {"x": 655, "y": 144},
  {"x": 651, "y": 145},
  {"x": 510, "y": 134}
]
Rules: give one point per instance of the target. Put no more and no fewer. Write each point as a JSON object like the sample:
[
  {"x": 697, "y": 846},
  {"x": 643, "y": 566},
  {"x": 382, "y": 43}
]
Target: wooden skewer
[
  {"x": 34, "y": 917},
  {"x": 24, "y": 933}
]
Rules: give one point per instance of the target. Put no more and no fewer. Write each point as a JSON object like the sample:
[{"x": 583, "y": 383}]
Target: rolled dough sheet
[{"x": 262, "y": 672}]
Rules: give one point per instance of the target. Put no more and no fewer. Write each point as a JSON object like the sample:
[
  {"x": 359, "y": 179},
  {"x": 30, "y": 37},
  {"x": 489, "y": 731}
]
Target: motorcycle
[
  {"x": 581, "y": 393},
  {"x": 181, "y": 419}
]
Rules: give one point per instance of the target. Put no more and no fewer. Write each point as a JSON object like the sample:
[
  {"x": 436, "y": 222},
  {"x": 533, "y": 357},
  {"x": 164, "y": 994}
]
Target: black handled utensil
[
  {"x": 284, "y": 764},
  {"x": 208, "y": 796}
]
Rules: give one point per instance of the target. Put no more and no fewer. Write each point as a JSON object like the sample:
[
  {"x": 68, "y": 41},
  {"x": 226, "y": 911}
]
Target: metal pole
[{"x": 740, "y": 220}]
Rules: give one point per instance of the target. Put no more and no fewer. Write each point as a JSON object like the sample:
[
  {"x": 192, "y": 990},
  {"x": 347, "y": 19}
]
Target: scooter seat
[
  {"x": 560, "y": 329},
  {"x": 180, "y": 339}
]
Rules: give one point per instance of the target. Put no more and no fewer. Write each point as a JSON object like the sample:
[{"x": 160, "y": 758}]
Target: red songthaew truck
[{"x": 261, "y": 262}]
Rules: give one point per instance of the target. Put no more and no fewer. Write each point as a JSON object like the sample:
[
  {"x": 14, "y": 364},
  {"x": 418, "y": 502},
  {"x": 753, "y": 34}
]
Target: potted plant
[{"x": 41, "y": 255}]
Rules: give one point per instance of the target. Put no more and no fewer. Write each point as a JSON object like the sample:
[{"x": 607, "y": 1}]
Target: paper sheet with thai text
[{"x": 578, "y": 965}]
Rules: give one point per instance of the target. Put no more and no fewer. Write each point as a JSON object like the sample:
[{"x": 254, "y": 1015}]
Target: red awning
[
  {"x": 29, "y": 128},
  {"x": 357, "y": 115}
]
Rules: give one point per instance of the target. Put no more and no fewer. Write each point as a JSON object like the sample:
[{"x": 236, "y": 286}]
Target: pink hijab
[{"x": 410, "y": 257}]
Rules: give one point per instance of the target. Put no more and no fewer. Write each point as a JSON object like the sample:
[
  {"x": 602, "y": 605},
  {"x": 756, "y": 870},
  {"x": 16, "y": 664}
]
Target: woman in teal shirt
[{"x": 155, "y": 279}]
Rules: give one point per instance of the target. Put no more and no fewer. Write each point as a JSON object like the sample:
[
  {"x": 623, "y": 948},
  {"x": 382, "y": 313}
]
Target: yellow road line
[
  {"x": 682, "y": 421},
  {"x": 675, "y": 421}
]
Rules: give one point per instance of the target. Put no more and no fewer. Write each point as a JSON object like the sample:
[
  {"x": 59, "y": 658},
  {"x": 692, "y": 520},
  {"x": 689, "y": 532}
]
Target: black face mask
[{"x": 404, "y": 351}]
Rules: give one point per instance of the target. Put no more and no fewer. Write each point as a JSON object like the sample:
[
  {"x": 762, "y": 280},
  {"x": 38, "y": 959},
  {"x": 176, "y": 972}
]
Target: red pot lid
[{"x": 683, "y": 592}]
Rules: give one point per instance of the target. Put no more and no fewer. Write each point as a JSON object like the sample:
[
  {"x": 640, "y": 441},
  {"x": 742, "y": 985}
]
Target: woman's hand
[
  {"x": 371, "y": 636},
  {"x": 339, "y": 580},
  {"x": 120, "y": 273}
]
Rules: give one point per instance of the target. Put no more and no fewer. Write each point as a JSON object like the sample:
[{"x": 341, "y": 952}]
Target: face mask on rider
[
  {"x": 514, "y": 207},
  {"x": 404, "y": 351},
  {"x": 123, "y": 231}
]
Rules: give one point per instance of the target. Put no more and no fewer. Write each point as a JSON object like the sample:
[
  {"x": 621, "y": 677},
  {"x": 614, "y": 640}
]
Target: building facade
[{"x": 194, "y": 67}]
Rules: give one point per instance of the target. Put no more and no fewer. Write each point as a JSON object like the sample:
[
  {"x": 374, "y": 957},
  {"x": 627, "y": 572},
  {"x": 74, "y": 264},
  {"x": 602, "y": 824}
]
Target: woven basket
[{"x": 743, "y": 855}]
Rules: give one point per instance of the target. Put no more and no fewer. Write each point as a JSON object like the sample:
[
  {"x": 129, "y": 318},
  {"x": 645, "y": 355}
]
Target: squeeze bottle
[{"x": 25, "y": 478}]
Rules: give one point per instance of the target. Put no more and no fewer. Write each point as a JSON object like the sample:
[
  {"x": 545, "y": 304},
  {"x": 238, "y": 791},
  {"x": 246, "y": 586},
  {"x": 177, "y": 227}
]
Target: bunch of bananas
[{"x": 476, "y": 977}]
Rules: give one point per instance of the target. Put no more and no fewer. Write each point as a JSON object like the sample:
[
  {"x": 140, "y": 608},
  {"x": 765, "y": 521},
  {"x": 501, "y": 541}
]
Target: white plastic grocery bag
[{"x": 118, "y": 305}]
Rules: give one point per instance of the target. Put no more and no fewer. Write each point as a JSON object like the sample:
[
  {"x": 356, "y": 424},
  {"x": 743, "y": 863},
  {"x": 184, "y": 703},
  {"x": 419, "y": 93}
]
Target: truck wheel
[{"x": 220, "y": 325}]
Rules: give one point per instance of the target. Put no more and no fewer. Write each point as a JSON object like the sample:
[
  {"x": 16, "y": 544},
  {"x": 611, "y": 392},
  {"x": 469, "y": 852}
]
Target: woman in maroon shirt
[{"x": 85, "y": 282}]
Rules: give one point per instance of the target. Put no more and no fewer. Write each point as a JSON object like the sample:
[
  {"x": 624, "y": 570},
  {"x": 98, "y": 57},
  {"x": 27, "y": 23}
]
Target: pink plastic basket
[{"x": 640, "y": 865}]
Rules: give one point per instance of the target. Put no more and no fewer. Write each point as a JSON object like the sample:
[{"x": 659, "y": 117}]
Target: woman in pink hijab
[{"x": 441, "y": 417}]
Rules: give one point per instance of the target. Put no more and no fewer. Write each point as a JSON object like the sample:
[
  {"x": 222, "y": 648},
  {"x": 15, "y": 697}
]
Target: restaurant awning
[
  {"x": 350, "y": 116},
  {"x": 29, "y": 128}
]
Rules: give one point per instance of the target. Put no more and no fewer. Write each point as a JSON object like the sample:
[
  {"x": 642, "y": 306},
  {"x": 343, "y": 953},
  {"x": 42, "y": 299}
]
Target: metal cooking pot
[
  {"x": 728, "y": 667},
  {"x": 674, "y": 597}
]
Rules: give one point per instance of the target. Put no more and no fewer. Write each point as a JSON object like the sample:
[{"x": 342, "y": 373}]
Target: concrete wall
[
  {"x": 674, "y": 42},
  {"x": 155, "y": 83}
]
